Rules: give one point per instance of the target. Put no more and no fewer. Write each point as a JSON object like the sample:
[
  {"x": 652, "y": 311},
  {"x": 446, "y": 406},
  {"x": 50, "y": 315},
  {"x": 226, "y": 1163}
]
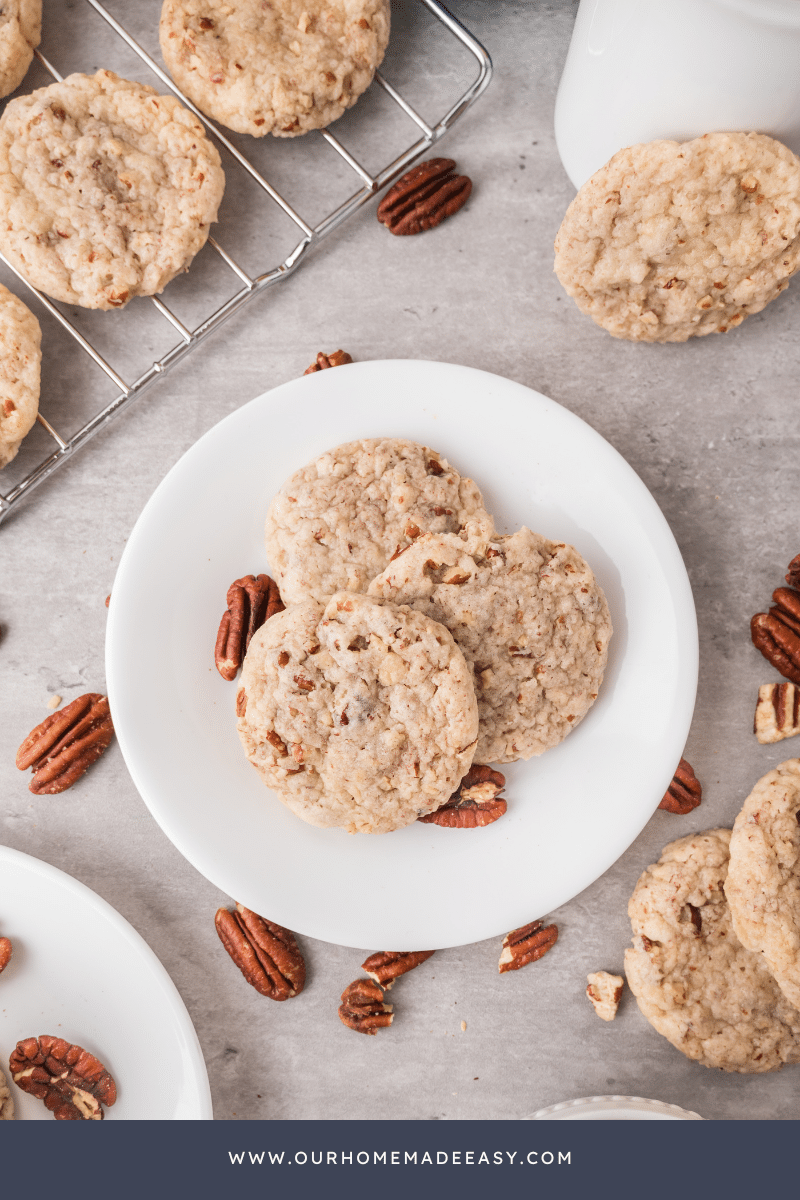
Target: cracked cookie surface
[
  {"x": 20, "y": 363},
  {"x": 358, "y": 714},
  {"x": 20, "y": 33},
  {"x": 694, "y": 981},
  {"x": 107, "y": 190},
  {"x": 672, "y": 240},
  {"x": 532, "y": 622},
  {"x": 283, "y": 68}
]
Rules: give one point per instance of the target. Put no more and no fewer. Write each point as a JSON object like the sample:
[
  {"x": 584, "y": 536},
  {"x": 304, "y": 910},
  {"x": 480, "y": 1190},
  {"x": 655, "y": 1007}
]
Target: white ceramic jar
[{"x": 643, "y": 69}]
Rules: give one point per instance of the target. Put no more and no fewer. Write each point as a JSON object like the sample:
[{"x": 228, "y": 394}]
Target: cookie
[
  {"x": 6, "y": 1102},
  {"x": 282, "y": 68},
  {"x": 531, "y": 620},
  {"x": 337, "y": 522},
  {"x": 20, "y": 32},
  {"x": 672, "y": 240},
  {"x": 107, "y": 190},
  {"x": 693, "y": 979},
  {"x": 20, "y": 361},
  {"x": 358, "y": 714},
  {"x": 763, "y": 885}
]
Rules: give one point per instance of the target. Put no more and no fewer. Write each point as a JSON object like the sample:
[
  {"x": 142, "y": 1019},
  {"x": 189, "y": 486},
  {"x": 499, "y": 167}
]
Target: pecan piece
[
  {"x": 475, "y": 802},
  {"x": 267, "y": 954},
  {"x": 388, "y": 965},
  {"x": 362, "y": 1007},
  {"x": 251, "y": 601},
  {"x": 777, "y": 633},
  {"x": 5, "y": 953},
  {"x": 777, "y": 713},
  {"x": 423, "y": 197},
  {"x": 66, "y": 744},
  {"x": 72, "y": 1082},
  {"x": 793, "y": 574},
  {"x": 339, "y": 358},
  {"x": 684, "y": 793},
  {"x": 525, "y": 945}
]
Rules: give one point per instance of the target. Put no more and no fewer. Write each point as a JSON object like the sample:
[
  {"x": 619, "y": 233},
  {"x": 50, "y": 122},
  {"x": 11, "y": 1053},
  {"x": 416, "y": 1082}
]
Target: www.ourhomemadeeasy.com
[{"x": 398, "y": 1158}]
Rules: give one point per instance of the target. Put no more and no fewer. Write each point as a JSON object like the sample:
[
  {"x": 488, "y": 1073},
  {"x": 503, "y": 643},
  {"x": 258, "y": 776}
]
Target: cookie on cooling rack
[
  {"x": 283, "y": 68},
  {"x": 358, "y": 714},
  {"x": 695, "y": 982},
  {"x": 20, "y": 362},
  {"x": 107, "y": 190},
  {"x": 763, "y": 884},
  {"x": 20, "y": 33},
  {"x": 674, "y": 240},
  {"x": 336, "y": 523},
  {"x": 531, "y": 620}
]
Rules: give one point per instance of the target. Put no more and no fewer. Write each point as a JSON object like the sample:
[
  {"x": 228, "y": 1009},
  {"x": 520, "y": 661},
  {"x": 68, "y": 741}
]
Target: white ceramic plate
[
  {"x": 81, "y": 972},
  {"x": 614, "y": 1108},
  {"x": 571, "y": 813}
]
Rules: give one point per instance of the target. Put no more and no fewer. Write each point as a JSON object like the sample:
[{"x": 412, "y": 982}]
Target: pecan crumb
[{"x": 339, "y": 358}]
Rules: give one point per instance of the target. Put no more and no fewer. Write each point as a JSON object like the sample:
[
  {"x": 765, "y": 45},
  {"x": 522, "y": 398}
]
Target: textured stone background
[{"x": 711, "y": 427}]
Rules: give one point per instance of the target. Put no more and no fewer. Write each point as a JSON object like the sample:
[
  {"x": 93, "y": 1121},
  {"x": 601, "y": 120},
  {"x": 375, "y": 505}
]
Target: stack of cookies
[{"x": 415, "y": 639}]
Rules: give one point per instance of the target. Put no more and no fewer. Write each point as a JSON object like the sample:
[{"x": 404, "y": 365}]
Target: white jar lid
[{"x": 614, "y": 1108}]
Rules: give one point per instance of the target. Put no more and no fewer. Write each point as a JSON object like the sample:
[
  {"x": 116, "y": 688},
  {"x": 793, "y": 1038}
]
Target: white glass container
[{"x": 614, "y": 1108}]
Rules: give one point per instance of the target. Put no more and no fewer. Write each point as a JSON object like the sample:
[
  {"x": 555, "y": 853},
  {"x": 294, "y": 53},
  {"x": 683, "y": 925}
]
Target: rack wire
[{"x": 249, "y": 285}]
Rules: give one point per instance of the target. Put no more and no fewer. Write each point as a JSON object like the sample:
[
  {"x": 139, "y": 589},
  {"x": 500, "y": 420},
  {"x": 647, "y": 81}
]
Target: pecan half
[
  {"x": 5, "y": 953},
  {"x": 251, "y": 601},
  {"x": 793, "y": 574},
  {"x": 66, "y": 744},
  {"x": 525, "y": 945},
  {"x": 339, "y": 358},
  {"x": 777, "y": 713},
  {"x": 423, "y": 197},
  {"x": 777, "y": 633},
  {"x": 476, "y": 801},
  {"x": 72, "y": 1082},
  {"x": 388, "y": 965},
  {"x": 362, "y": 1007},
  {"x": 684, "y": 793},
  {"x": 267, "y": 954}
]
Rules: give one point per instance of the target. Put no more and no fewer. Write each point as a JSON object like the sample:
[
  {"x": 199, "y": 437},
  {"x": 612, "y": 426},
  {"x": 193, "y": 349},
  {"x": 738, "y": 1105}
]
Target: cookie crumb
[
  {"x": 604, "y": 991},
  {"x": 463, "y": 1026},
  {"x": 54, "y": 702}
]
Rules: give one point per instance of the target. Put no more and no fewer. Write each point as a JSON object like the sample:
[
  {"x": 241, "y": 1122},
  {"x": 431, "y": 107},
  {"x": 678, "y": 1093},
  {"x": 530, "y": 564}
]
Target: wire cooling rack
[{"x": 248, "y": 283}]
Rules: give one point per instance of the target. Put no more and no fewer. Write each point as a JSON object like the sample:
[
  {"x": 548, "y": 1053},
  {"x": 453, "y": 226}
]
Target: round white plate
[
  {"x": 571, "y": 812},
  {"x": 614, "y": 1108},
  {"x": 81, "y": 972}
]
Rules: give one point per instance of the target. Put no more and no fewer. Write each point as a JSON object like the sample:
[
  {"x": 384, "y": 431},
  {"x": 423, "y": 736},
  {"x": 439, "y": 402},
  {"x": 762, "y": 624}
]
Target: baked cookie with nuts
[
  {"x": 20, "y": 33},
  {"x": 696, "y": 983},
  {"x": 531, "y": 620},
  {"x": 20, "y": 363},
  {"x": 107, "y": 190},
  {"x": 672, "y": 240},
  {"x": 336, "y": 523},
  {"x": 6, "y": 1102},
  {"x": 763, "y": 884},
  {"x": 358, "y": 714},
  {"x": 283, "y": 68}
]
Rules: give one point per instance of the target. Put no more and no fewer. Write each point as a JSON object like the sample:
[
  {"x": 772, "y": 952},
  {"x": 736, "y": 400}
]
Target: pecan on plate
[
  {"x": 476, "y": 801},
  {"x": 362, "y": 1007},
  {"x": 777, "y": 713},
  {"x": 388, "y": 965},
  {"x": 777, "y": 633},
  {"x": 251, "y": 601},
  {"x": 339, "y": 358},
  {"x": 267, "y": 954},
  {"x": 5, "y": 953},
  {"x": 72, "y": 1082},
  {"x": 66, "y": 744},
  {"x": 684, "y": 793},
  {"x": 525, "y": 945},
  {"x": 424, "y": 196}
]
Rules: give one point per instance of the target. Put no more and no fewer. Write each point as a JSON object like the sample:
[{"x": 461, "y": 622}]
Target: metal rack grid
[{"x": 251, "y": 286}]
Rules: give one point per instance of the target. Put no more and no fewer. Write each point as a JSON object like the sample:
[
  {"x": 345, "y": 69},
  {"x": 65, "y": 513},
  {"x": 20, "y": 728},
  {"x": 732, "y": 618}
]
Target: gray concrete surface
[{"x": 712, "y": 428}]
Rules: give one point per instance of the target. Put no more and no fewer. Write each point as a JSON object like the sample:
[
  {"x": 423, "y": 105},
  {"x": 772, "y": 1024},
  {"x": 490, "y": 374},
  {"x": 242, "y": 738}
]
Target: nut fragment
[
  {"x": 5, "y": 953},
  {"x": 793, "y": 574},
  {"x": 777, "y": 712},
  {"x": 73, "y": 1083},
  {"x": 476, "y": 801},
  {"x": 777, "y": 633},
  {"x": 267, "y": 954},
  {"x": 66, "y": 744},
  {"x": 604, "y": 991},
  {"x": 684, "y": 793},
  {"x": 251, "y": 601},
  {"x": 339, "y": 358},
  {"x": 388, "y": 965},
  {"x": 423, "y": 197},
  {"x": 525, "y": 945},
  {"x": 362, "y": 1007}
]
